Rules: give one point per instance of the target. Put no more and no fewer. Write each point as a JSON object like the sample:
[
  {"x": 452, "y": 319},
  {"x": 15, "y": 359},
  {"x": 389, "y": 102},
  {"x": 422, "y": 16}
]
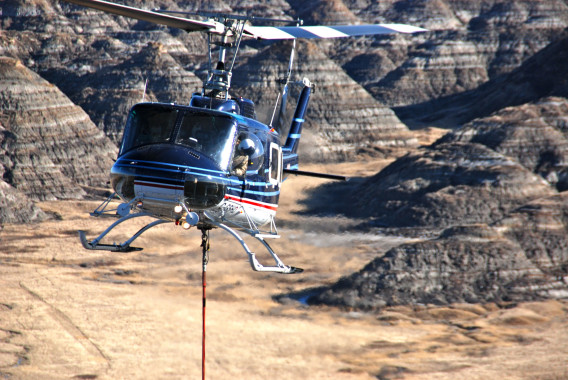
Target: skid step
[
  {"x": 281, "y": 268},
  {"x": 294, "y": 270},
  {"x": 266, "y": 236}
]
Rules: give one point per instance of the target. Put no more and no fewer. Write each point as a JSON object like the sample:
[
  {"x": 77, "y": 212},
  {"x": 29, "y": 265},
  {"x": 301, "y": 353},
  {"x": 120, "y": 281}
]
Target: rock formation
[
  {"x": 480, "y": 268},
  {"x": 534, "y": 134},
  {"x": 445, "y": 184},
  {"x": 471, "y": 43},
  {"x": 51, "y": 147},
  {"x": 542, "y": 75},
  {"x": 108, "y": 94},
  {"x": 540, "y": 228},
  {"x": 518, "y": 249},
  {"x": 491, "y": 184},
  {"x": 15, "y": 207},
  {"x": 522, "y": 257}
]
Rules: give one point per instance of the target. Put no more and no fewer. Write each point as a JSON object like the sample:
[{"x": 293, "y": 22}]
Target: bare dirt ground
[{"x": 70, "y": 313}]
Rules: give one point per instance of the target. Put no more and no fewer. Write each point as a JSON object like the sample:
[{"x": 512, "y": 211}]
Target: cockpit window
[
  {"x": 211, "y": 135},
  {"x": 148, "y": 124}
]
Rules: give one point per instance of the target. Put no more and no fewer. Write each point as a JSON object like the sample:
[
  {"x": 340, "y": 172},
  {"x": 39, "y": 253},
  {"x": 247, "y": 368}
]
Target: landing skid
[
  {"x": 124, "y": 210},
  {"x": 280, "y": 267},
  {"x": 122, "y": 247}
]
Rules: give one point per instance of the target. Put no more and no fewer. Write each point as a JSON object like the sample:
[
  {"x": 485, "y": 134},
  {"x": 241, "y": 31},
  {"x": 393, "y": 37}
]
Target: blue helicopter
[{"x": 212, "y": 164}]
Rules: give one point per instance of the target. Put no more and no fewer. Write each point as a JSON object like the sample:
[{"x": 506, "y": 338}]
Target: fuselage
[{"x": 172, "y": 154}]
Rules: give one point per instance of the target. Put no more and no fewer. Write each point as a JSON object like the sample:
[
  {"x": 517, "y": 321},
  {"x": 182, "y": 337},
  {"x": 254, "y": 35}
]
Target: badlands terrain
[
  {"x": 444, "y": 256},
  {"x": 70, "y": 313}
]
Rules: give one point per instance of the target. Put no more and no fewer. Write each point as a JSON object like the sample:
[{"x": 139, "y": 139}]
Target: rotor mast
[
  {"x": 233, "y": 28},
  {"x": 218, "y": 80}
]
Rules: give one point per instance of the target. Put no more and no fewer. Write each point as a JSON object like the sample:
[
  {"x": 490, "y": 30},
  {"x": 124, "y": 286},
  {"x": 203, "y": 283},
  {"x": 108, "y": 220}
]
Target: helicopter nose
[
  {"x": 197, "y": 192},
  {"x": 166, "y": 175},
  {"x": 203, "y": 193}
]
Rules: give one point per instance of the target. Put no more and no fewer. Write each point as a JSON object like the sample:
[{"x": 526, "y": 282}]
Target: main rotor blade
[
  {"x": 332, "y": 31},
  {"x": 154, "y": 17}
]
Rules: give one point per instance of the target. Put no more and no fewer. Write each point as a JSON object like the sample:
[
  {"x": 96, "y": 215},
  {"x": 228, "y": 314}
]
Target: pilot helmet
[{"x": 247, "y": 146}]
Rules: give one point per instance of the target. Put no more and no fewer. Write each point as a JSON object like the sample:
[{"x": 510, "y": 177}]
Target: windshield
[
  {"x": 211, "y": 135},
  {"x": 148, "y": 124}
]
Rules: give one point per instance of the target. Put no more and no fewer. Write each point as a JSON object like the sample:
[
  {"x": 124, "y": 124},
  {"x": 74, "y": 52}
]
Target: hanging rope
[{"x": 205, "y": 246}]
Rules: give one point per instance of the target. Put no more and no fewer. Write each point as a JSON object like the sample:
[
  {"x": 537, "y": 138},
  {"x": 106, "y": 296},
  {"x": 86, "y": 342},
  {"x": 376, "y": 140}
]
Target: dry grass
[{"x": 70, "y": 313}]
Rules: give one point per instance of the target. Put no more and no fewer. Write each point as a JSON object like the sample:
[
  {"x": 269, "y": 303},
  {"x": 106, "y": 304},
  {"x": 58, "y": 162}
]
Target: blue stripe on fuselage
[
  {"x": 157, "y": 163},
  {"x": 258, "y": 192},
  {"x": 192, "y": 170}
]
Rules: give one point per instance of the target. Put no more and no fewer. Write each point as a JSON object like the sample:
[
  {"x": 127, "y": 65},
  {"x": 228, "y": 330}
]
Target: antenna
[
  {"x": 144, "y": 94},
  {"x": 285, "y": 81},
  {"x": 274, "y": 111}
]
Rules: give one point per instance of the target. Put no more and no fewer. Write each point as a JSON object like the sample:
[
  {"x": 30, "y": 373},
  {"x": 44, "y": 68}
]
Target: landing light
[
  {"x": 186, "y": 225},
  {"x": 177, "y": 209}
]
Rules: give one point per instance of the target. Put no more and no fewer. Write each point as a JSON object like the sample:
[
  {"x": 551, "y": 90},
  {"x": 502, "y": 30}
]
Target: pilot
[{"x": 245, "y": 149}]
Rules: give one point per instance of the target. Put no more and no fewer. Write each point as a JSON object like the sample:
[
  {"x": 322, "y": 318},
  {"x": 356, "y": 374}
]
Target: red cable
[
  {"x": 203, "y": 324},
  {"x": 205, "y": 245}
]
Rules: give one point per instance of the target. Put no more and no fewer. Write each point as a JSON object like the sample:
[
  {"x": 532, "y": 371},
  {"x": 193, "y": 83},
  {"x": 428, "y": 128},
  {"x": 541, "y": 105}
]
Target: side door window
[
  {"x": 256, "y": 161},
  {"x": 248, "y": 157},
  {"x": 275, "y": 164}
]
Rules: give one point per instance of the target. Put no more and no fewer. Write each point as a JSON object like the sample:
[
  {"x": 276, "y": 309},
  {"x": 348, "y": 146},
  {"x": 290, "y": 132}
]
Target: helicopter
[{"x": 211, "y": 163}]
